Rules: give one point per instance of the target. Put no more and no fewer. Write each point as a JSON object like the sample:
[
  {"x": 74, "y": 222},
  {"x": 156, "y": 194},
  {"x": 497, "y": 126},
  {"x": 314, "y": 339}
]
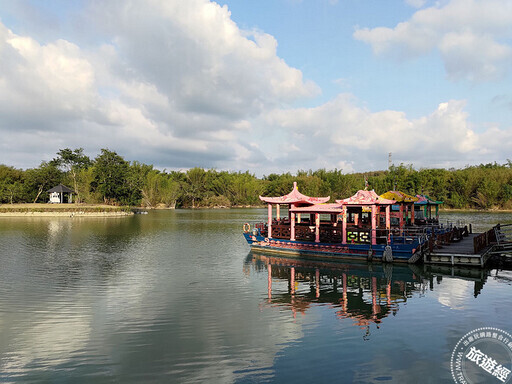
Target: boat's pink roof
[
  {"x": 295, "y": 197},
  {"x": 319, "y": 208},
  {"x": 365, "y": 198}
]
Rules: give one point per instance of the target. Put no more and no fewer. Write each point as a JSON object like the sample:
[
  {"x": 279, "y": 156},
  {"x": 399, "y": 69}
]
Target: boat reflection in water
[{"x": 366, "y": 293}]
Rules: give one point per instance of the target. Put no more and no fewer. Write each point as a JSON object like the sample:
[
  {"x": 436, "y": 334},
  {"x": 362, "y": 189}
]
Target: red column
[
  {"x": 401, "y": 218},
  {"x": 317, "y": 227},
  {"x": 269, "y": 234},
  {"x": 388, "y": 222},
  {"x": 374, "y": 225},
  {"x": 292, "y": 226},
  {"x": 344, "y": 225},
  {"x": 412, "y": 214}
]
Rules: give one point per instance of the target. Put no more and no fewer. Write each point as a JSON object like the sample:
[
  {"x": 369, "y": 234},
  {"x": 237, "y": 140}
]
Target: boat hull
[{"x": 401, "y": 251}]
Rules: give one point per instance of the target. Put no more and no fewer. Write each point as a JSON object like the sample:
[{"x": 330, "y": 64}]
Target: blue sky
[
  {"x": 317, "y": 38},
  {"x": 265, "y": 86}
]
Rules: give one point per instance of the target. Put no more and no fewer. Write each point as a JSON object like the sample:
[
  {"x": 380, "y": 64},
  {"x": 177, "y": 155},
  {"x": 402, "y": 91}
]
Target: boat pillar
[
  {"x": 278, "y": 211},
  {"x": 292, "y": 226},
  {"x": 344, "y": 224},
  {"x": 269, "y": 224},
  {"x": 388, "y": 222},
  {"x": 401, "y": 219},
  {"x": 374, "y": 224},
  {"x": 317, "y": 227}
]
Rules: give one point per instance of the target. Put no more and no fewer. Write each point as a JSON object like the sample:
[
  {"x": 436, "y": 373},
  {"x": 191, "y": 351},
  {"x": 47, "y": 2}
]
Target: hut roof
[
  {"x": 294, "y": 197},
  {"x": 399, "y": 197},
  {"x": 61, "y": 189},
  {"x": 366, "y": 198}
]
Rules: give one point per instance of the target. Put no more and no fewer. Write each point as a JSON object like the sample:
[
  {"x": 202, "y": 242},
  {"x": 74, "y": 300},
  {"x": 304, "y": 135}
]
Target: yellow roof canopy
[{"x": 399, "y": 197}]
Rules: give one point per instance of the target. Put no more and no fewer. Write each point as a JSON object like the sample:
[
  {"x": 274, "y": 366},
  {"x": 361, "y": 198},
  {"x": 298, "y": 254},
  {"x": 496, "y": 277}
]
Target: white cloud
[
  {"x": 473, "y": 37},
  {"x": 53, "y": 81},
  {"x": 179, "y": 84},
  {"x": 343, "y": 134},
  {"x": 172, "y": 83}
]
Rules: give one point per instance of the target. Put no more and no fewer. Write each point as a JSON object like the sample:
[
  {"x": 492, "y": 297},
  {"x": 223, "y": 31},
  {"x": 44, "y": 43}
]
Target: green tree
[
  {"x": 72, "y": 161},
  {"x": 111, "y": 172},
  {"x": 39, "y": 180},
  {"x": 195, "y": 185},
  {"x": 11, "y": 184}
]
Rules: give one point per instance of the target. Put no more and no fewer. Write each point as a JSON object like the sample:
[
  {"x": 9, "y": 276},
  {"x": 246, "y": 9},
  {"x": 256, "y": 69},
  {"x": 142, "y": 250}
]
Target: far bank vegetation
[{"x": 110, "y": 179}]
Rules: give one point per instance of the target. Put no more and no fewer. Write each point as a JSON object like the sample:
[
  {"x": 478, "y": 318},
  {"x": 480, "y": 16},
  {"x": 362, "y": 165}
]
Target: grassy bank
[{"x": 102, "y": 210}]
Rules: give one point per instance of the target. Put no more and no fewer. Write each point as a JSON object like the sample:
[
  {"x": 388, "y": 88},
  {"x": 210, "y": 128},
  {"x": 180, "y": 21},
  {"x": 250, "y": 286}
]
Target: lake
[{"x": 176, "y": 296}]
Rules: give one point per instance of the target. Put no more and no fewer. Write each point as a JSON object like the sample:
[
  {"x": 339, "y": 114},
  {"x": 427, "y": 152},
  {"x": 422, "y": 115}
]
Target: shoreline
[
  {"x": 65, "y": 214},
  {"x": 63, "y": 210},
  {"x": 469, "y": 210},
  {"x": 103, "y": 210}
]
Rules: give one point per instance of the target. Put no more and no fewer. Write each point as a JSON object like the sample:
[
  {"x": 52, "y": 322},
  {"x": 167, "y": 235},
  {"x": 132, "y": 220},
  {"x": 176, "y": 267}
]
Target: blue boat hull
[{"x": 402, "y": 251}]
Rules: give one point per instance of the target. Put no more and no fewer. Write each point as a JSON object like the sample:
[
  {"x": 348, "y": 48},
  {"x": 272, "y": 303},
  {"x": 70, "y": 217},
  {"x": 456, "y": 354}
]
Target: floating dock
[{"x": 463, "y": 248}]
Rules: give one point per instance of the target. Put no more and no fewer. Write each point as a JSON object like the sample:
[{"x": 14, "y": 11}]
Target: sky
[{"x": 265, "y": 86}]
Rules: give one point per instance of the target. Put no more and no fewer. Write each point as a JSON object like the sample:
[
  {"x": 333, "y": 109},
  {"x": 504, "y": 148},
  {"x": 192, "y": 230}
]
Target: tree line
[{"x": 110, "y": 179}]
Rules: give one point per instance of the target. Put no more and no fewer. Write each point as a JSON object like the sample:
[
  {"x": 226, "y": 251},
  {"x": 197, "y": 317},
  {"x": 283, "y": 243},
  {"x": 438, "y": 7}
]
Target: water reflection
[
  {"x": 171, "y": 297},
  {"x": 366, "y": 294}
]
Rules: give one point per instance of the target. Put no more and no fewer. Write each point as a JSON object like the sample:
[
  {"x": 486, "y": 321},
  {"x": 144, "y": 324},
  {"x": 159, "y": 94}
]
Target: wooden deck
[
  {"x": 463, "y": 247},
  {"x": 459, "y": 253}
]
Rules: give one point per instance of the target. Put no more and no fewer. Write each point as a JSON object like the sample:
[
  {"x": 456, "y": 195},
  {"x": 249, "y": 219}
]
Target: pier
[{"x": 460, "y": 247}]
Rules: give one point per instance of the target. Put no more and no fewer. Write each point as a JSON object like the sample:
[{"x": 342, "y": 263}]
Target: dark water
[{"x": 177, "y": 297}]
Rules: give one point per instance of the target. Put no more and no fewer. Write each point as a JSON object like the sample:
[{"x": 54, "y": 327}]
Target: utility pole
[{"x": 389, "y": 160}]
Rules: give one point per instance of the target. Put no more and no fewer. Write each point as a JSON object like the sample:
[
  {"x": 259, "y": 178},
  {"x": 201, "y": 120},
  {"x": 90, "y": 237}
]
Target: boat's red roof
[
  {"x": 366, "y": 198},
  {"x": 295, "y": 197}
]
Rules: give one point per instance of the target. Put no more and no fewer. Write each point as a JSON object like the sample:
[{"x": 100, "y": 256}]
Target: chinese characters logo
[{"x": 483, "y": 355}]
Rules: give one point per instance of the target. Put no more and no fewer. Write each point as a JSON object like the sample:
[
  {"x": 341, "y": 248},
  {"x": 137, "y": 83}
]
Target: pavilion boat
[
  {"x": 357, "y": 228},
  {"x": 414, "y": 213}
]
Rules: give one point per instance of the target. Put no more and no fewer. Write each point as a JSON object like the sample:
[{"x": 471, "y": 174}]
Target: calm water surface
[{"x": 177, "y": 297}]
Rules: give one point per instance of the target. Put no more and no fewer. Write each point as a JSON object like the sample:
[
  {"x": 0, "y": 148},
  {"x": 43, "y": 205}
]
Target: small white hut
[{"x": 57, "y": 194}]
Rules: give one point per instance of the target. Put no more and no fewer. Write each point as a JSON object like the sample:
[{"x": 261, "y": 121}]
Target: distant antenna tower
[{"x": 389, "y": 160}]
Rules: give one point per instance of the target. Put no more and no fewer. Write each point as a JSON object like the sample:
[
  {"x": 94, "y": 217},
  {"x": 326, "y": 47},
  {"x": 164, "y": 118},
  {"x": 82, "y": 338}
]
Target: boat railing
[{"x": 329, "y": 233}]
